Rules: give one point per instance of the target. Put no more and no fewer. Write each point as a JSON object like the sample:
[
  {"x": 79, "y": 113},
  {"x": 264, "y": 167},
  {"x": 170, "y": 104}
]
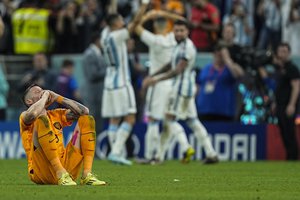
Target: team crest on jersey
[{"x": 57, "y": 125}]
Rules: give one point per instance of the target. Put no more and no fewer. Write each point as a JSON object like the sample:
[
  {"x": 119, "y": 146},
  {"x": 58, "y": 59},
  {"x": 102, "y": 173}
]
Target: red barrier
[{"x": 275, "y": 147}]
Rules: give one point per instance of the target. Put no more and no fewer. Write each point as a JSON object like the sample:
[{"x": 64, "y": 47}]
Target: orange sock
[
  {"x": 47, "y": 140},
  {"x": 87, "y": 141}
]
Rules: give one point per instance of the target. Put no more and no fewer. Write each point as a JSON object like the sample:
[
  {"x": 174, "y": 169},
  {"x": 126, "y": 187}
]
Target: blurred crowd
[
  {"x": 65, "y": 26},
  {"x": 45, "y": 27}
]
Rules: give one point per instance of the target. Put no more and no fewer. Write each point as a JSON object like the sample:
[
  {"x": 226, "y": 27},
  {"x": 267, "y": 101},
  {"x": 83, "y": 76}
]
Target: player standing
[
  {"x": 161, "y": 45},
  {"x": 118, "y": 95},
  {"x": 181, "y": 102}
]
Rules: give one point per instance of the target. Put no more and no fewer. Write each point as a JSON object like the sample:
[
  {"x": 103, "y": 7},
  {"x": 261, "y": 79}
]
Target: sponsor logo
[{"x": 57, "y": 125}]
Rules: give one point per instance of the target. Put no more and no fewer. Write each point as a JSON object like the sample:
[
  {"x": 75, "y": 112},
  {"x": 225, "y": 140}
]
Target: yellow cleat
[
  {"x": 91, "y": 179},
  {"x": 66, "y": 180},
  {"x": 187, "y": 155}
]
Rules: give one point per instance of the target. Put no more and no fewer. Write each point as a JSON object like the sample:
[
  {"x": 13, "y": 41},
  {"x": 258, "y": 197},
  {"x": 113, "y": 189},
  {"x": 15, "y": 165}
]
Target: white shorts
[
  {"x": 181, "y": 107},
  {"x": 118, "y": 102},
  {"x": 157, "y": 98}
]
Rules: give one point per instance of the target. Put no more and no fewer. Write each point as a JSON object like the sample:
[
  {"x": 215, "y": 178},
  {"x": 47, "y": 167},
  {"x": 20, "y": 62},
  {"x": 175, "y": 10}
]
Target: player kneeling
[{"x": 49, "y": 161}]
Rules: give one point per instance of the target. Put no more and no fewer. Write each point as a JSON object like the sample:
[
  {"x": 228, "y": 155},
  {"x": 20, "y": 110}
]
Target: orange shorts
[{"x": 42, "y": 171}]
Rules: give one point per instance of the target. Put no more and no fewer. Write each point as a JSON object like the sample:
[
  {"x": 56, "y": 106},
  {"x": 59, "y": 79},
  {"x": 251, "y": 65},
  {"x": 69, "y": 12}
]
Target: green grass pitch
[{"x": 172, "y": 180}]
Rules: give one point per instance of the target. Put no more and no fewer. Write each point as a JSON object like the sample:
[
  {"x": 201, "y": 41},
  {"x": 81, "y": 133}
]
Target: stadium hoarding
[{"x": 232, "y": 141}]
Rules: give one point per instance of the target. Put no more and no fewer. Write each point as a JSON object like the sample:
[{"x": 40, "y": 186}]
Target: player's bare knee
[
  {"x": 170, "y": 117},
  {"x": 86, "y": 120},
  {"x": 115, "y": 120}
]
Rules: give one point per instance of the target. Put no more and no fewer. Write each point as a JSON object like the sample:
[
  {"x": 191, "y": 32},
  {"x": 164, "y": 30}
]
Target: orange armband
[{"x": 59, "y": 99}]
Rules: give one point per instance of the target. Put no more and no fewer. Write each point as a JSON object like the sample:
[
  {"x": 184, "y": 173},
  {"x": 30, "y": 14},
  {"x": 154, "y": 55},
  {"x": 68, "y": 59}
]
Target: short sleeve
[
  {"x": 120, "y": 35},
  {"x": 63, "y": 117},
  {"x": 158, "y": 41},
  {"x": 73, "y": 84},
  {"x": 214, "y": 15},
  {"x": 189, "y": 53},
  {"x": 293, "y": 72},
  {"x": 148, "y": 38}
]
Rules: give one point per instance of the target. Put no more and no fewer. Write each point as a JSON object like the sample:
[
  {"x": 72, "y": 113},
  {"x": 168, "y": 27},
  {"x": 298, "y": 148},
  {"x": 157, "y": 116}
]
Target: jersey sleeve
[
  {"x": 189, "y": 53},
  {"x": 156, "y": 41},
  {"x": 120, "y": 35},
  {"x": 293, "y": 72},
  {"x": 148, "y": 38},
  {"x": 26, "y": 134},
  {"x": 214, "y": 15},
  {"x": 63, "y": 117},
  {"x": 73, "y": 84}
]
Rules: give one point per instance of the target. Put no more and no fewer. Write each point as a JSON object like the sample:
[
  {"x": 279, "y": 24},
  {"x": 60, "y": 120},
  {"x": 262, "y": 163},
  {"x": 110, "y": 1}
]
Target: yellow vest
[{"x": 30, "y": 30}]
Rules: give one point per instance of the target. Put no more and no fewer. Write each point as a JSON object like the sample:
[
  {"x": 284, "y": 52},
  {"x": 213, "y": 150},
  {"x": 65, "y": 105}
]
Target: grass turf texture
[{"x": 172, "y": 180}]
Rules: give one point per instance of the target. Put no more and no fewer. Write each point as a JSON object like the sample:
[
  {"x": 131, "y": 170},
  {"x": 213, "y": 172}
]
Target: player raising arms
[
  {"x": 181, "y": 102},
  {"x": 49, "y": 161},
  {"x": 161, "y": 45},
  {"x": 118, "y": 96}
]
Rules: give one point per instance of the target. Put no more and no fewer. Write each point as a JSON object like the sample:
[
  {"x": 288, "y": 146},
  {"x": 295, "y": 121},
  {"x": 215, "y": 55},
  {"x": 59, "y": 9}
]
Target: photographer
[
  {"x": 217, "y": 94},
  {"x": 286, "y": 97},
  {"x": 286, "y": 94}
]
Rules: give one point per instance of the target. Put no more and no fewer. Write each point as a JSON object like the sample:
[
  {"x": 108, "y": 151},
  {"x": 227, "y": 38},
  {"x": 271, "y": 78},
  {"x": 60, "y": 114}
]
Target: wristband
[{"x": 59, "y": 99}]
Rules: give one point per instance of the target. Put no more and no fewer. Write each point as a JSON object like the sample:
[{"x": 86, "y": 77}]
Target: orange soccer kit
[{"x": 44, "y": 146}]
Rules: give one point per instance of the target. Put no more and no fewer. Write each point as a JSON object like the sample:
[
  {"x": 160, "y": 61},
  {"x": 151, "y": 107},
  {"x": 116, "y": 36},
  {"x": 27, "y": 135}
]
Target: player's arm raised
[
  {"x": 35, "y": 109},
  {"x": 132, "y": 25},
  {"x": 171, "y": 16},
  {"x": 76, "y": 108},
  {"x": 154, "y": 14}
]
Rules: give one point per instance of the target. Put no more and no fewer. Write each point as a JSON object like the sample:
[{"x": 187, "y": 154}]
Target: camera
[{"x": 251, "y": 58}]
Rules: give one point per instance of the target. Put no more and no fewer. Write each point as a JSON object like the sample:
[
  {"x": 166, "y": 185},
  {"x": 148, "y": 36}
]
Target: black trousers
[
  {"x": 288, "y": 134},
  {"x": 2, "y": 114}
]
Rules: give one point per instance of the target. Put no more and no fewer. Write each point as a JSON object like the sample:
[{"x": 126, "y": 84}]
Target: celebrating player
[
  {"x": 181, "y": 102},
  {"x": 118, "y": 96},
  {"x": 49, "y": 161},
  {"x": 160, "y": 46}
]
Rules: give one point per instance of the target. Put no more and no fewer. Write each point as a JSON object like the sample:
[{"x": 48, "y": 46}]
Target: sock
[
  {"x": 112, "y": 133},
  {"x": 151, "y": 139},
  {"x": 86, "y": 125},
  {"x": 180, "y": 135},
  {"x": 122, "y": 135},
  {"x": 165, "y": 138},
  {"x": 48, "y": 142},
  {"x": 202, "y": 136}
]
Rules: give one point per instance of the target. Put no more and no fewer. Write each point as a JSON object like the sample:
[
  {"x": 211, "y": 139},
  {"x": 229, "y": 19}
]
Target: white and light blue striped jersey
[
  {"x": 116, "y": 57},
  {"x": 184, "y": 83},
  {"x": 160, "y": 49}
]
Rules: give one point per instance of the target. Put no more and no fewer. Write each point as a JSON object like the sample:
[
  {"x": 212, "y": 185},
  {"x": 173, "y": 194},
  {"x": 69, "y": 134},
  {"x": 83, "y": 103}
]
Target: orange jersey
[
  {"x": 174, "y": 6},
  {"x": 58, "y": 121}
]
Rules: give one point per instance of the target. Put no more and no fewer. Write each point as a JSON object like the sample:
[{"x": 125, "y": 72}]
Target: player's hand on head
[
  {"x": 51, "y": 98},
  {"x": 45, "y": 94},
  {"x": 154, "y": 13},
  {"x": 53, "y": 95}
]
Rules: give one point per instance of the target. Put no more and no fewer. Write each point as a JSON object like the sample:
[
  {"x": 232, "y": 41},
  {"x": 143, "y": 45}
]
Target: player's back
[
  {"x": 160, "y": 49},
  {"x": 116, "y": 57}
]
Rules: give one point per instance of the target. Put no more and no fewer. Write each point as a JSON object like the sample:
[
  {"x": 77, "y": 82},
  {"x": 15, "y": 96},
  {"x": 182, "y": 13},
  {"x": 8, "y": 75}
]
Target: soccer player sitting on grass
[{"x": 49, "y": 161}]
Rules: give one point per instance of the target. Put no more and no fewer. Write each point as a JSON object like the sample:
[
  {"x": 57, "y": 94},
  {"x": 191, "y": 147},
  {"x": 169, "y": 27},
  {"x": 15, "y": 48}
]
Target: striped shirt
[
  {"x": 116, "y": 57},
  {"x": 185, "y": 82}
]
